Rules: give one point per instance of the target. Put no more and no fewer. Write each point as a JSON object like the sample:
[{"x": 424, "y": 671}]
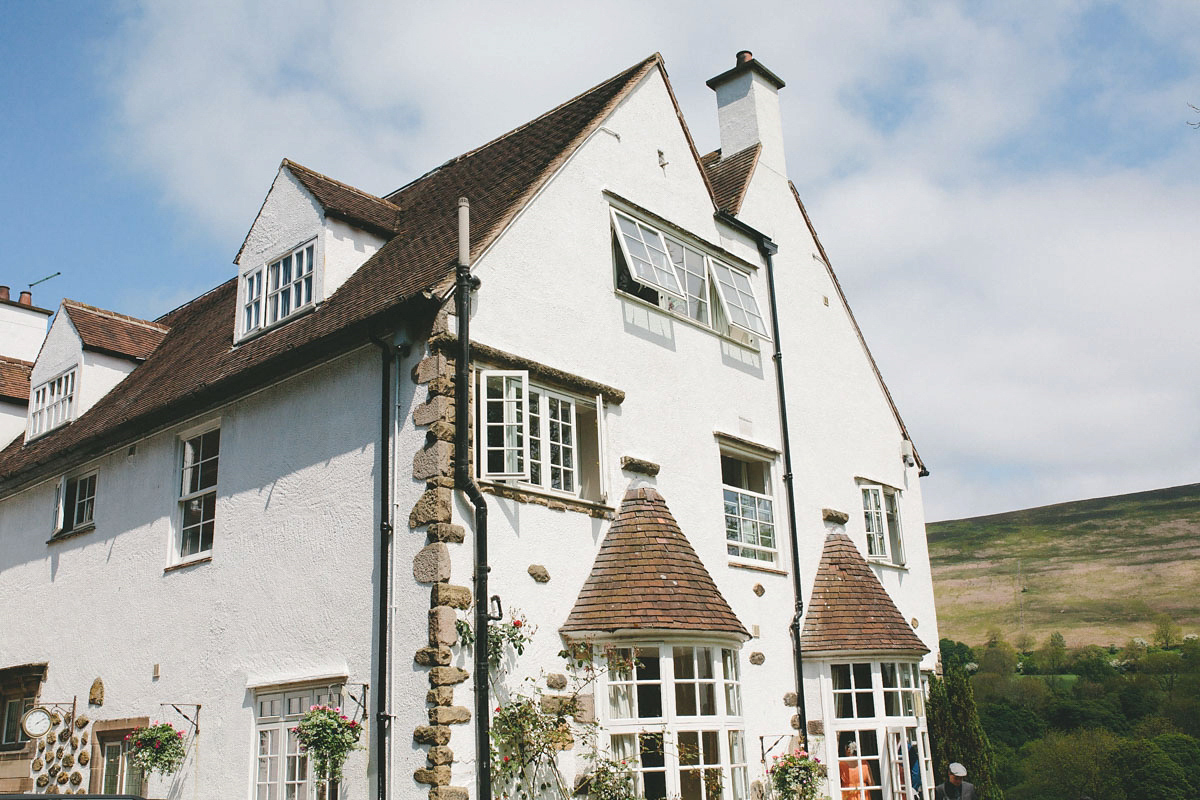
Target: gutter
[
  {"x": 464, "y": 284},
  {"x": 768, "y": 249},
  {"x": 382, "y": 717}
]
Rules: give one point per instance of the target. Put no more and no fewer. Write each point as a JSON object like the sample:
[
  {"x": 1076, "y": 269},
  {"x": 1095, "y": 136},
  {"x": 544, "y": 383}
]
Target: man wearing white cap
[{"x": 956, "y": 788}]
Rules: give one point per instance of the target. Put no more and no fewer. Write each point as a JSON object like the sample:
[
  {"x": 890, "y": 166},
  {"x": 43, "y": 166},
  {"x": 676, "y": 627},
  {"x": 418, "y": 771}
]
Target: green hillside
[{"x": 1096, "y": 570}]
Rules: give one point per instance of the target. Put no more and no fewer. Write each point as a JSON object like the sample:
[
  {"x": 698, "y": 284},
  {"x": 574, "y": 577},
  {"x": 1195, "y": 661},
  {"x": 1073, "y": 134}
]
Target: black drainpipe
[
  {"x": 382, "y": 717},
  {"x": 768, "y": 249},
  {"x": 464, "y": 284}
]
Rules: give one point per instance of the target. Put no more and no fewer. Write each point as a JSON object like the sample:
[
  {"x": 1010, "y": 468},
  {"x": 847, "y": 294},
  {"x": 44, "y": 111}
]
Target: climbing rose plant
[
  {"x": 328, "y": 736},
  {"x": 796, "y": 775},
  {"x": 515, "y": 633},
  {"x": 157, "y": 748}
]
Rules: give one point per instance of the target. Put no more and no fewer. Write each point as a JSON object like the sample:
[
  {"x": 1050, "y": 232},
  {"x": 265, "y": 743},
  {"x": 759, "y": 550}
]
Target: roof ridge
[
  {"x": 287, "y": 162},
  {"x": 655, "y": 58},
  {"x": 104, "y": 312},
  {"x": 15, "y": 360}
]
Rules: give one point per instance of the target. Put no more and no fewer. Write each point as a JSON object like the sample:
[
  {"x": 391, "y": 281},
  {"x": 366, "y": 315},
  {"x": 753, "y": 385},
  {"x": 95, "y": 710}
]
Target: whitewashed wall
[
  {"x": 289, "y": 592},
  {"x": 548, "y": 294},
  {"x": 21, "y": 331}
]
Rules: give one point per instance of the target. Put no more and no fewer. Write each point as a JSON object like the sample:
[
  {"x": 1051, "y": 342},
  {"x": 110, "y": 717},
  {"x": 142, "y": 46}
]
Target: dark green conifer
[{"x": 957, "y": 735}]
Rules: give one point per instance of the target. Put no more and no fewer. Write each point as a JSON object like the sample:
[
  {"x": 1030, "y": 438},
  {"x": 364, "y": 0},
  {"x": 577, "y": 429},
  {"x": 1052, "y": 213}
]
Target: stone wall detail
[
  {"x": 432, "y": 515},
  {"x": 62, "y": 762}
]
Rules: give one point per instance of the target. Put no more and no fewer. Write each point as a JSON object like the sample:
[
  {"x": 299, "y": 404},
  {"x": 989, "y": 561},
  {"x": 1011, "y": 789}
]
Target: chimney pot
[
  {"x": 3, "y": 292},
  {"x": 743, "y": 56},
  {"x": 26, "y": 299}
]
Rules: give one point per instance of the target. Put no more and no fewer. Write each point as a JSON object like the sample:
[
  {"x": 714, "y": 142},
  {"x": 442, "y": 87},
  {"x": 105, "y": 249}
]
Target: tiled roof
[
  {"x": 196, "y": 367},
  {"x": 355, "y": 206},
  {"x": 850, "y": 610},
  {"x": 730, "y": 177},
  {"x": 14, "y": 379},
  {"x": 113, "y": 333},
  {"x": 646, "y": 576}
]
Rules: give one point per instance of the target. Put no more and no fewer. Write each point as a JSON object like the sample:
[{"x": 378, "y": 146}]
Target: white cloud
[{"x": 1007, "y": 190}]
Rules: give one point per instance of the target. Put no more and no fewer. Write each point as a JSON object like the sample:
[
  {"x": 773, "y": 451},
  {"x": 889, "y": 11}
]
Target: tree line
[{"x": 1061, "y": 723}]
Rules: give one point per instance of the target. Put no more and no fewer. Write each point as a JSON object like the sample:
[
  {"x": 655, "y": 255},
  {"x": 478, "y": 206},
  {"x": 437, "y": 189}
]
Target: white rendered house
[{"x": 253, "y": 503}]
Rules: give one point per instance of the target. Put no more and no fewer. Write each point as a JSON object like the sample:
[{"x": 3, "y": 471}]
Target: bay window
[
  {"x": 880, "y": 731},
  {"x": 675, "y": 713}
]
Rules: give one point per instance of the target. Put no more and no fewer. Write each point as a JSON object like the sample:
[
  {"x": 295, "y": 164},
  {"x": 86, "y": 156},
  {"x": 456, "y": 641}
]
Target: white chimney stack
[{"x": 748, "y": 111}]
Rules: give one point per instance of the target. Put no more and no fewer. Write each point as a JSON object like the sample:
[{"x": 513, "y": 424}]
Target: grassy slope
[{"x": 1096, "y": 570}]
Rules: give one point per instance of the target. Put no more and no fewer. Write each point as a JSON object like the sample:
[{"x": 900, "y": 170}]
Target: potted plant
[
  {"x": 327, "y": 736},
  {"x": 157, "y": 748},
  {"x": 796, "y": 775}
]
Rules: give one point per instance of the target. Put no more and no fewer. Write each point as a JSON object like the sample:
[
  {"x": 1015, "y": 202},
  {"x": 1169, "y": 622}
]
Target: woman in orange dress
[{"x": 853, "y": 774}]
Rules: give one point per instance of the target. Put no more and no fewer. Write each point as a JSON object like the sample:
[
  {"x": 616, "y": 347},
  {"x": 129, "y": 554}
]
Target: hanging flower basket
[
  {"x": 796, "y": 775},
  {"x": 157, "y": 748},
  {"x": 328, "y": 736}
]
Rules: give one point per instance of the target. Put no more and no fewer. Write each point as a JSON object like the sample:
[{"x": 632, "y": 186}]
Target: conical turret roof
[
  {"x": 850, "y": 609},
  {"x": 646, "y": 576}
]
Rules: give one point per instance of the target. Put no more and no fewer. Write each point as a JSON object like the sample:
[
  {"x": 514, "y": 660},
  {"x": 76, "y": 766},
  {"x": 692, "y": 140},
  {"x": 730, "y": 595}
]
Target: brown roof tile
[
  {"x": 730, "y": 177},
  {"x": 14, "y": 379},
  {"x": 850, "y": 609},
  {"x": 646, "y": 576},
  {"x": 113, "y": 333},
  {"x": 348, "y": 203},
  {"x": 196, "y": 367}
]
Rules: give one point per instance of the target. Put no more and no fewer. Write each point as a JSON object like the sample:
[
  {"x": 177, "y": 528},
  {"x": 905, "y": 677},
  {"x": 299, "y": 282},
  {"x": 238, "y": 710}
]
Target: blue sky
[{"x": 1009, "y": 191}]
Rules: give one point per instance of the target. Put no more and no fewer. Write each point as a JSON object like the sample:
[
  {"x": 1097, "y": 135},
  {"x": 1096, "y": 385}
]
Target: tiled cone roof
[
  {"x": 14, "y": 379},
  {"x": 730, "y": 177},
  {"x": 850, "y": 609},
  {"x": 113, "y": 333},
  {"x": 647, "y": 577}
]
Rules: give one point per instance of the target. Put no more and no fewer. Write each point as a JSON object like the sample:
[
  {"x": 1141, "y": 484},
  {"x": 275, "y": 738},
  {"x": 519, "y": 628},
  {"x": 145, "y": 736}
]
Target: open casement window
[
  {"x": 693, "y": 285},
  {"x": 910, "y": 771},
  {"x": 675, "y": 713},
  {"x": 282, "y": 770},
  {"x": 74, "y": 503},
  {"x": 881, "y": 513},
  {"x": 749, "y": 509},
  {"x": 538, "y": 436}
]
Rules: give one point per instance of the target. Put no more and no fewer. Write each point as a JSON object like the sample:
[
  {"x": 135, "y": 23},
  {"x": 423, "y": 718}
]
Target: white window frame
[
  {"x": 735, "y": 519},
  {"x": 894, "y": 767},
  {"x": 129, "y": 778},
  {"x": 52, "y": 403},
  {"x": 205, "y": 494},
  {"x": 279, "y": 764},
  {"x": 657, "y": 275},
  {"x": 534, "y": 465},
  {"x": 882, "y": 523},
  {"x": 68, "y": 504},
  {"x": 675, "y": 731},
  {"x": 731, "y": 286},
  {"x": 264, "y": 293}
]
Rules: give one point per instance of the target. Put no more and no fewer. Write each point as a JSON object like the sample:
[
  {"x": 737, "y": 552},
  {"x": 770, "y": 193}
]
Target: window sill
[
  {"x": 757, "y": 567},
  {"x": 753, "y": 348},
  {"x": 556, "y": 502},
  {"x": 192, "y": 561},
  {"x": 879, "y": 562},
  {"x": 279, "y": 323},
  {"x": 71, "y": 534}
]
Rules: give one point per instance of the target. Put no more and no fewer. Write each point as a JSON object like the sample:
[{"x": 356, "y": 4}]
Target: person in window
[
  {"x": 956, "y": 788},
  {"x": 853, "y": 774}
]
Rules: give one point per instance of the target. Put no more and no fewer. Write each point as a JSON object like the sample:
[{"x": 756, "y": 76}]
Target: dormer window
[
  {"x": 52, "y": 404},
  {"x": 278, "y": 290}
]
